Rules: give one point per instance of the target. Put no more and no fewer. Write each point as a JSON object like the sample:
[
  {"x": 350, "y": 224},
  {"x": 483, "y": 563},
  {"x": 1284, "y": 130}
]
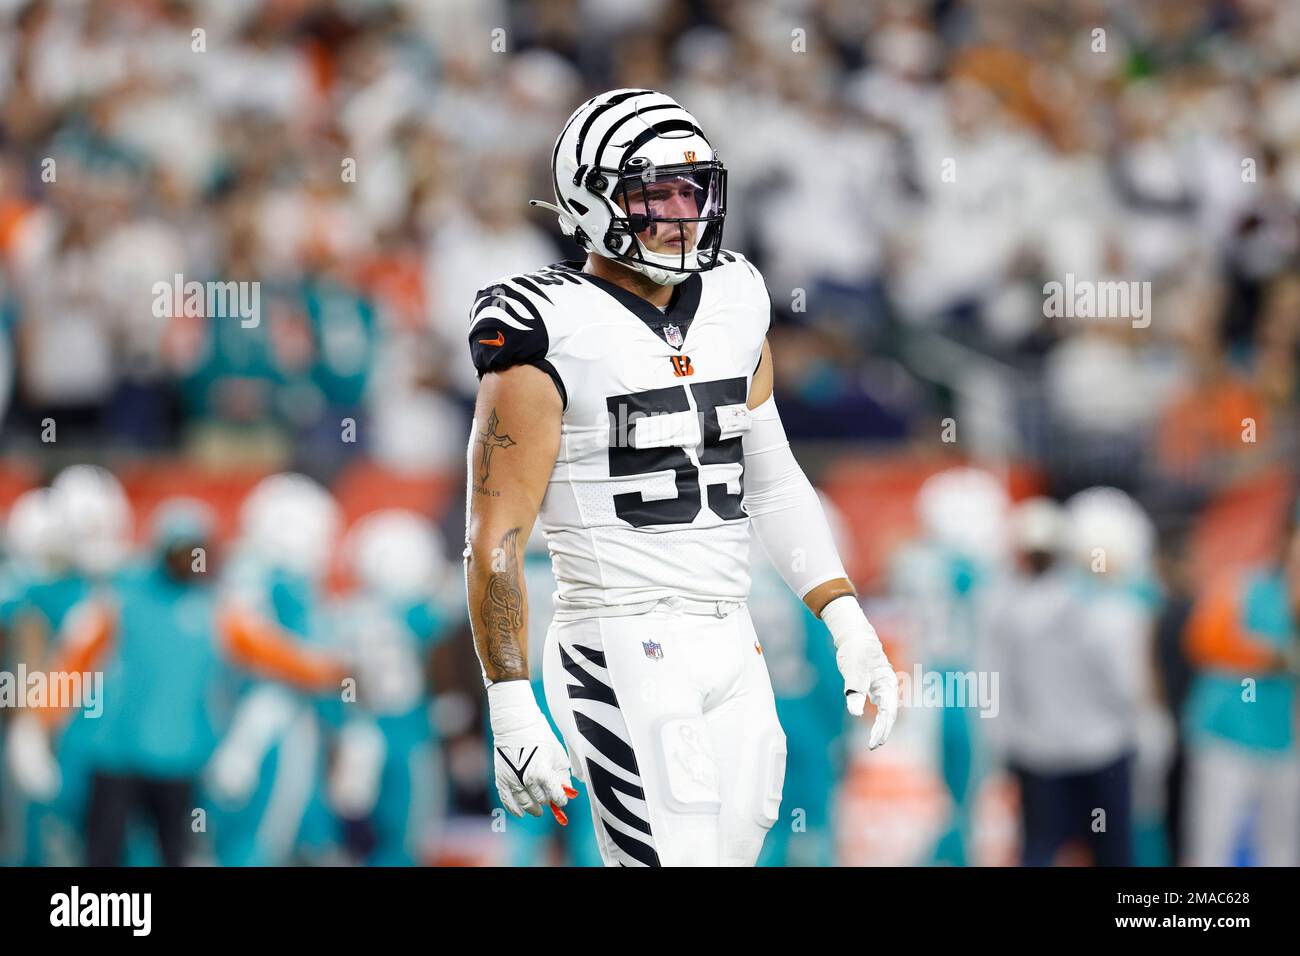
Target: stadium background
[{"x": 369, "y": 163}]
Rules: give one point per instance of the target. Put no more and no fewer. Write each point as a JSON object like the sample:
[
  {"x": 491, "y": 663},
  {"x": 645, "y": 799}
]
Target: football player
[{"x": 627, "y": 402}]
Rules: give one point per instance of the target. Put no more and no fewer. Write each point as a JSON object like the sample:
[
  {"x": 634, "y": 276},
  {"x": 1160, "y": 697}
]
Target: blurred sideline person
[
  {"x": 1243, "y": 772},
  {"x": 628, "y": 401},
  {"x": 1069, "y": 690},
  {"x": 386, "y": 782},
  {"x": 160, "y": 635},
  {"x": 945, "y": 580},
  {"x": 1114, "y": 538}
]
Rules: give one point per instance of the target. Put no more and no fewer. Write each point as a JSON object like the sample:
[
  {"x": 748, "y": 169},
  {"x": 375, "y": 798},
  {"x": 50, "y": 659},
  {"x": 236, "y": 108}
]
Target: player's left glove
[{"x": 863, "y": 664}]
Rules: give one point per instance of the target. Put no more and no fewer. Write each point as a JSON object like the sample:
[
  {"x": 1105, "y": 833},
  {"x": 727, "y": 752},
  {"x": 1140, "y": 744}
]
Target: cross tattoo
[{"x": 491, "y": 440}]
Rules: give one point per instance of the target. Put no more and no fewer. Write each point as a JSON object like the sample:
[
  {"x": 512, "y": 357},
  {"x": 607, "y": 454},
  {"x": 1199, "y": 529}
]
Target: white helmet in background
[
  {"x": 965, "y": 509},
  {"x": 396, "y": 554},
  {"x": 34, "y": 531},
  {"x": 1108, "y": 530},
  {"x": 1038, "y": 524},
  {"x": 611, "y": 153},
  {"x": 95, "y": 515},
  {"x": 291, "y": 521}
]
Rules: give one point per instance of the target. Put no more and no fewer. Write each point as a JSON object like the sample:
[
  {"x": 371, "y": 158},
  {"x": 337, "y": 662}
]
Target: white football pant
[{"x": 669, "y": 718}]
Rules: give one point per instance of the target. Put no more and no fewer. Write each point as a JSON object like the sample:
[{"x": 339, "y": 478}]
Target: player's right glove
[{"x": 532, "y": 768}]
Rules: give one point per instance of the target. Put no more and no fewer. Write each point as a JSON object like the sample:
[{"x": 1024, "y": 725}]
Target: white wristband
[
  {"x": 845, "y": 618},
  {"x": 511, "y": 706}
]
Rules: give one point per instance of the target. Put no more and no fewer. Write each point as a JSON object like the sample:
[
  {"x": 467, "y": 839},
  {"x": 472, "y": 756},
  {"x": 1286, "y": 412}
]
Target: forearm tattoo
[{"x": 502, "y": 612}]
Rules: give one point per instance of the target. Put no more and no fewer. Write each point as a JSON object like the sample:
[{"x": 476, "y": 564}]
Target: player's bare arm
[
  {"x": 512, "y": 449},
  {"x": 515, "y": 437}
]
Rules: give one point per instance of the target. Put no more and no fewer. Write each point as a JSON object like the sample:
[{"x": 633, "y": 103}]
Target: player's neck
[{"x": 629, "y": 279}]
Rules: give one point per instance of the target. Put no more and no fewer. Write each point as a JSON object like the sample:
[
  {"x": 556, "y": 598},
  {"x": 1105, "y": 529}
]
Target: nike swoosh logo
[{"x": 498, "y": 341}]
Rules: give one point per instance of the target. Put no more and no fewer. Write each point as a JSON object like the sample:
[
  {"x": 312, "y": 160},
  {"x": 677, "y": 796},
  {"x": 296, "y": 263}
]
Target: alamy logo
[
  {"x": 38, "y": 689},
  {"x": 1085, "y": 299},
  {"x": 229, "y": 300},
  {"x": 103, "y": 909}
]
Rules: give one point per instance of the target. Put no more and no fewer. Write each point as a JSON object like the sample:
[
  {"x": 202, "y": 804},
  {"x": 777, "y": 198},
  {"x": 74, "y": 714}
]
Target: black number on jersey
[{"x": 625, "y": 461}]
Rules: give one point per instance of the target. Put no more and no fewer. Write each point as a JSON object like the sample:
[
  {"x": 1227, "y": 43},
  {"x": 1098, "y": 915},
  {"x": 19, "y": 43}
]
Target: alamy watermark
[
  {"x": 242, "y": 300},
  {"x": 1087, "y": 299},
  {"x": 949, "y": 688},
  {"x": 82, "y": 690}
]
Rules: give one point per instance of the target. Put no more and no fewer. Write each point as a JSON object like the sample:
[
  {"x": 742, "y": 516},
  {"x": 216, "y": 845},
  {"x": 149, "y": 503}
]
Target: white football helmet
[
  {"x": 396, "y": 554},
  {"x": 965, "y": 509},
  {"x": 612, "y": 153},
  {"x": 1106, "y": 524},
  {"x": 96, "y": 516},
  {"x": 34, "y": 531},
  {"x": 292, "y": 522},
  {"x": 1038, "y": 524}
]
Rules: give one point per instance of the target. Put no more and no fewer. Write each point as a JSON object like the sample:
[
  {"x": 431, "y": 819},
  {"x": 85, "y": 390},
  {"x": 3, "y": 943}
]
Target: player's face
[{"x": 676, "y": 198}]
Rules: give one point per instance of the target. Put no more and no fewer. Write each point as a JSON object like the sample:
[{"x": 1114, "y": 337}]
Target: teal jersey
[
  {"x": 158, "y": 714},
  {"x": 390, "y": 642},
  {"x": 1219, "y": 704},
  {"x": 53, "y": 598},
  {"x": 346, "y": 335},
  {"x": 233, "y": 351}
]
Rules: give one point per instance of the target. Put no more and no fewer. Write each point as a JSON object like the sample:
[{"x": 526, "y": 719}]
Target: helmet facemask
[{"x": 672, "y": 217}]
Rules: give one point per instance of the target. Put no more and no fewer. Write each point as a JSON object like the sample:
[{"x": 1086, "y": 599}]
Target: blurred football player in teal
[
  {"x": 387, "y": 782},
  {"x": 38, "y": 586},
  {"x": 1243, "y": 772},
  {"x": 160, "y": 639},
  {"x": 93, "y": 518},
  {"x": 945, "y": 580},
  {"x": 267, "y": 774}
]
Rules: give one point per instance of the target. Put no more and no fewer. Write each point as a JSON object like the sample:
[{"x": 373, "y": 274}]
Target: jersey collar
[{"x": 680, "y": 311}]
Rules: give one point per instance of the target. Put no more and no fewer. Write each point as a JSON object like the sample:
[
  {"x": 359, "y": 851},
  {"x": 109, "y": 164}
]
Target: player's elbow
[{"x": 491, "y": 539}]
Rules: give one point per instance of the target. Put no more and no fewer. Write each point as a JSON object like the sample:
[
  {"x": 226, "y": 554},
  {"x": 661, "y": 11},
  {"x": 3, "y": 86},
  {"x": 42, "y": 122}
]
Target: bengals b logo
[
  {"x": 690, "y": 155},
  {"x": 681, "y": 365}
]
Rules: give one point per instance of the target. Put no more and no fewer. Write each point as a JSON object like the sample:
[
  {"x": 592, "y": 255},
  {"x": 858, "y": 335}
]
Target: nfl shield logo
[
  {"x": 653, "y": 651},
  {"x": 674, "y": 336}
]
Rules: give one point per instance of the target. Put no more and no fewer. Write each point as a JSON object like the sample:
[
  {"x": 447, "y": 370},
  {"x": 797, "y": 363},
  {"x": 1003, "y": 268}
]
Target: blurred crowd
[{"x": 910, "y": 175}]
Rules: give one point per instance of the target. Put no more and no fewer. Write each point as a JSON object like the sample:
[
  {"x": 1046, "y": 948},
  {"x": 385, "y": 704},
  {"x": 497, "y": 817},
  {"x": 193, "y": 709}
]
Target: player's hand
[
  {"x": 231, "y": 774},
  {"x": 30, "y": 760},
  {"x": 532, "y": 768},
  {"x": 863, "y": 665}
]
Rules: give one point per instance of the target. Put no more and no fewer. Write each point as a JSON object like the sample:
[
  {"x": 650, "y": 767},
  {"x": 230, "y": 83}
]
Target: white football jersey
[{"x": 645, "y": 500}]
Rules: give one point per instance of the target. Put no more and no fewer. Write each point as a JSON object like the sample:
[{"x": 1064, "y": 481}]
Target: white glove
[
  {"x": 30, "y": 761},
  {"x": 232, "y": 774},
  {"x": 352, "y": 787},
  {"x": 863, "y": 664},
  {"x": 532, "y": 768}
]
